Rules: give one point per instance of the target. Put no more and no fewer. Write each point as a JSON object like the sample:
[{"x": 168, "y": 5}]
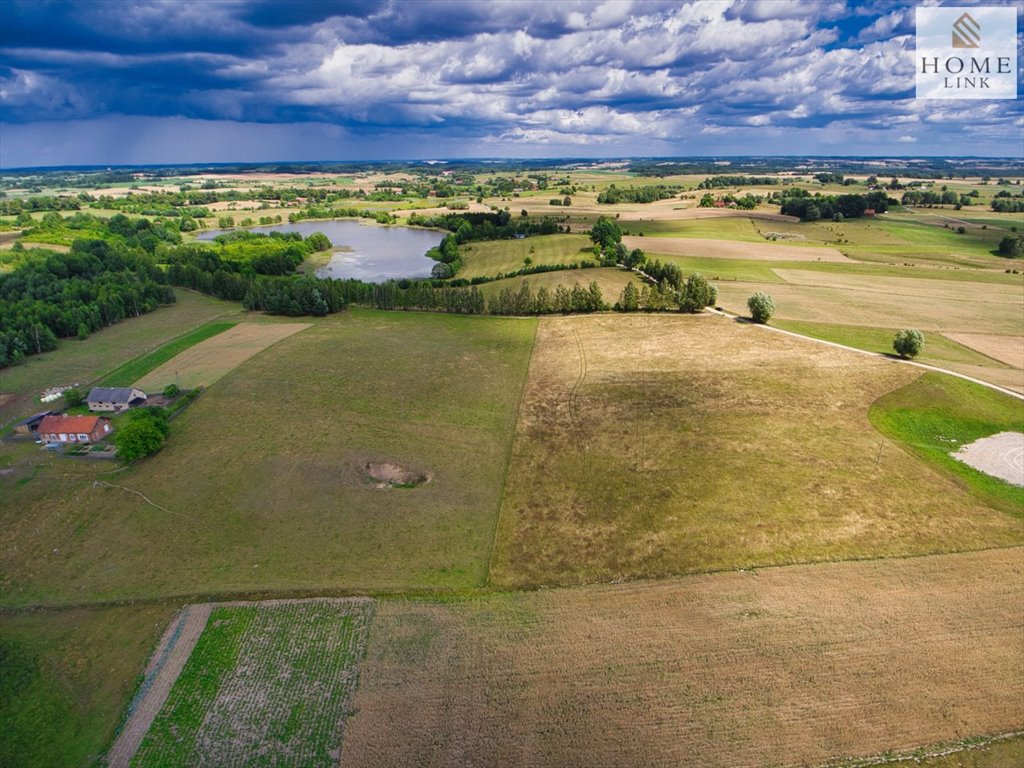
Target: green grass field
[
  {"x": 103, "y": 352},
  {"x": 266, "y": 685},
  {"x": 487, "y": 259},
  {"x": 132, "y": 371},
  {"x": 937, "y": 414},
  {"x": 264, "y": 479},
  {"x": 66, "y": 678},
  {"x": 938, "y": 350}
]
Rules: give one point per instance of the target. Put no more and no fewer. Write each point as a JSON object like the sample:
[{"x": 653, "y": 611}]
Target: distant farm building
[
  {"x": 31, "y": 424},
  {"x": 116, "y": 399},
  {"x": 869, "y": 211},
  {"x": 73, "y": 429},
  {"x": 719, "y": 203}
]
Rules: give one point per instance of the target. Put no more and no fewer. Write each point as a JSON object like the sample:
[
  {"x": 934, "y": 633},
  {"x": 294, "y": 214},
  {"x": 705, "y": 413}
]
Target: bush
[
  {"x": 908, "y": 343},
  {"x": 143, "y": 435},
  {"x": 73, "y": 397},
  {"x": 171, "y": 390},
  {"x": 761, "y": 307},
  {"x": 1012, "y": 247}
]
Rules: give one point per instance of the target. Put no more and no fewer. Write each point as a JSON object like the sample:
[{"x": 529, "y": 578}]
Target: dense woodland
[{"x": 60, "y": 295}]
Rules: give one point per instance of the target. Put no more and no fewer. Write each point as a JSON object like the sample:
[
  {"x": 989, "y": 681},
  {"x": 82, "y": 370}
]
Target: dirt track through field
[
  {"x": 164, "y": 667},
  {"x": 782, "y": 666}
]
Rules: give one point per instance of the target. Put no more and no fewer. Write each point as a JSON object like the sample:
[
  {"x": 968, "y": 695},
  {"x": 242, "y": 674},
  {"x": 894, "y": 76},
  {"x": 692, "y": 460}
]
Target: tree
[
  {"x": 605, "y": 233},
  {"x": 629, "y": 301},
  {"x": 73, "y": 397},
  {"x": 319, "y": 241},
  {"x": 908, "y": 343},
  {"x": 1012, "y": 247},
  {"x": 171, "y": 390},
  {"x": 707, "y": 201},
  {"x": 137, "y": 439},
  {"x": 761, "y": 307},
  {"x": 697, "y": 294}
]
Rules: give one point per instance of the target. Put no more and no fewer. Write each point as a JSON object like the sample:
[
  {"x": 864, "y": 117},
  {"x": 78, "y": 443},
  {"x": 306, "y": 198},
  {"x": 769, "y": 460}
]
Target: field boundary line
[
  {"x": 877, "y": 355},
  {"x": 921, "y": 753},
  {"x": 161, "y": 673},
  {"x": 508, "y": 457}
]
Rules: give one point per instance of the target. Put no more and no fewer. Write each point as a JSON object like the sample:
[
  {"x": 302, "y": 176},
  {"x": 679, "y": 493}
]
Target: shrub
[
  {"x": 908, "y": 343},
  {"x": 1012, "y": 246},
  {"x": 171, "y": 390},
  {"x": 73, "y": 397},
  {"x": 761, "y": 307}
]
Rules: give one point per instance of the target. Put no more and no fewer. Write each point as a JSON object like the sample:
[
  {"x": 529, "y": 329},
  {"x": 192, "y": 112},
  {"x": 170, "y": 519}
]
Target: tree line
[
  {"x": 809, "y": 207},
  {"x": 63, "y": 295}
]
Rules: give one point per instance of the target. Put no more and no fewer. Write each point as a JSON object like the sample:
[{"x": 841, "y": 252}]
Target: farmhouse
[
  {"x": 73, "y": 429},
  {"x": 116, "y": 399}
]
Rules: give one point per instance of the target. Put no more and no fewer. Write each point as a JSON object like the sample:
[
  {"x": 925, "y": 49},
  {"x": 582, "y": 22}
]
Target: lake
[{"x": 378, "y": 253}]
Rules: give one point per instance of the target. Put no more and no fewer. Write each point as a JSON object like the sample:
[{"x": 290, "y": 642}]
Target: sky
[{"x": 107, "y": 82}]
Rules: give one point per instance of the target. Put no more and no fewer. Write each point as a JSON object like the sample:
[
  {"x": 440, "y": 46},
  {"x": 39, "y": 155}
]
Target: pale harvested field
[
  {"x": 1006, "y": 349},
  {"x": 731, "y": 249},
  {"x": 443, "y": 210},
  {"x": 731, "y": 447},
  {"x": 208, "y": 361},
  {"x": 929, "y": 305},
  {"x": 786, "y": 666}
]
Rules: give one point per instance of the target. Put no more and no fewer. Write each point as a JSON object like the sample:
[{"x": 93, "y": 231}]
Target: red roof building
[{"x": 74, "y": 429}]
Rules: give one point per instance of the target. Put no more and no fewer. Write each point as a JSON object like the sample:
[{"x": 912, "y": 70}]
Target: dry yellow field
[
  {"x": 881, "y": 302},
  {"x": 664, "y": 444},
  {"x": 784, "y": 666},
  {"x": 1006, "y": 349},
  {"x": 208, "y": 361},
  {"x": 731, "y": 249}
]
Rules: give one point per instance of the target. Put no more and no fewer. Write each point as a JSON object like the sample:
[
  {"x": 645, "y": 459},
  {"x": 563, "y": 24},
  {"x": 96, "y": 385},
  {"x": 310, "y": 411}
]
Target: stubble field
[
  {"x": 206, "y": 362},
  {"x": 656, "y": 445},
  {"x": 784, "y": 666}
]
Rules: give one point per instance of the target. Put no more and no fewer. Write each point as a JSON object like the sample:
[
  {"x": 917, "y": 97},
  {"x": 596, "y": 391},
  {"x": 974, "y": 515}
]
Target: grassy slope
[
  {"x": 487, "y": 259},
  {"x": 132, "y": 371},
  {"x": 937, "y": 414},
  {"x": 88, "y": 664},
  {"x": 938, "y": 350},
  {"x": 86, "y": 361},
  {"x": 281, "y": 500},
  {"x": 641, "y": 453}
]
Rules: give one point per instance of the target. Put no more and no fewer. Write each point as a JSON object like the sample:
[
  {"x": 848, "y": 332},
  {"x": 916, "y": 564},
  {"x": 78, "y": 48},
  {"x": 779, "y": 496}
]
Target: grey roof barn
[{"x": 114, "y": 398}]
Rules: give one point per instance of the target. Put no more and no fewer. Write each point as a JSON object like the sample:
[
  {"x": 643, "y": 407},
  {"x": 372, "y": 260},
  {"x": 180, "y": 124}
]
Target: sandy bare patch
[
  {"x": 164, "y": 667},
  {"x": 208, "y": 361},
  {"x": 1005, "y": 349},
  {"x": 388, "y": 475},
  {"x": 732, "y": 249},
  {"x": 783, "y": 666},
  {"x": 1000, "y": 455}
]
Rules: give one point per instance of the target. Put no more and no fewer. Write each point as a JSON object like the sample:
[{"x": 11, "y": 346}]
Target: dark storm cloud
[{"x": 664, "y": 76}]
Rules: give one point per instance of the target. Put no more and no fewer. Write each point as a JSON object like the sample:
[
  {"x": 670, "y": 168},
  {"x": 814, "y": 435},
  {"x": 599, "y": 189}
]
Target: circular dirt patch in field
[
  {"x": 389, "y": 475},
  {"x": 1000, "y": 455}
]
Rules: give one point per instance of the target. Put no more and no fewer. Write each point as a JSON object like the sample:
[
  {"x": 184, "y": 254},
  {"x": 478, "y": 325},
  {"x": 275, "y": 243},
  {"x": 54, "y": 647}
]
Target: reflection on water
[{"x": 378, "y": 253}]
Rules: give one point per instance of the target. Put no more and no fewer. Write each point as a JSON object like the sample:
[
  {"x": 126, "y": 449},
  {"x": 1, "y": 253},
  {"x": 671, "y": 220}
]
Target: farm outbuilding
[
  {"x": 31, "y": 424},
  {"x": 116, "y": 399},
  {"x": 74, "y": 429}
]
